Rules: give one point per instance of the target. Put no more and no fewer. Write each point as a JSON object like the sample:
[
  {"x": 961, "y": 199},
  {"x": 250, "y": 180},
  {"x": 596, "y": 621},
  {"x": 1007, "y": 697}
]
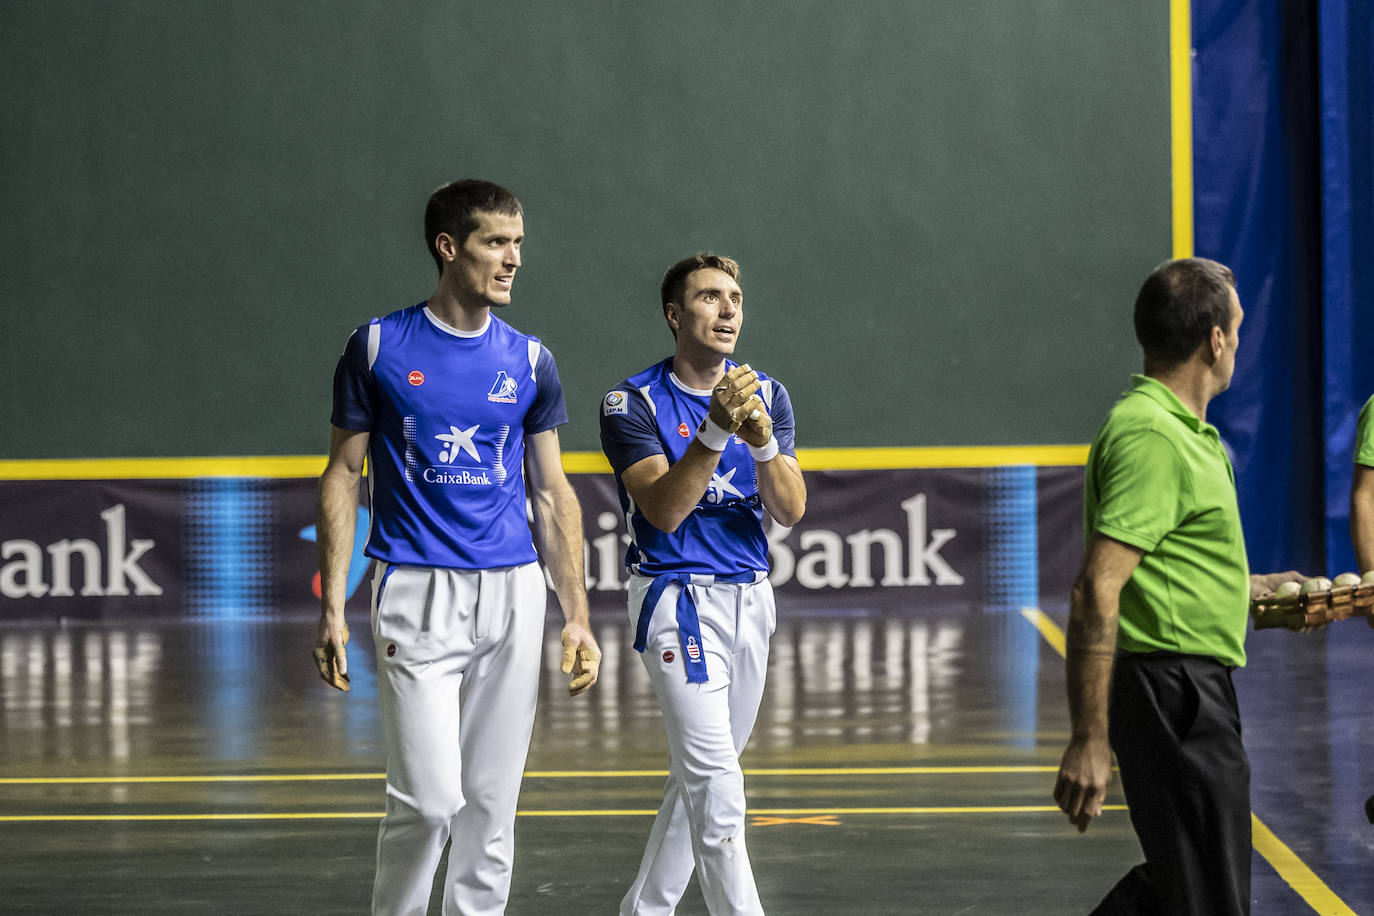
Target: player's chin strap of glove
[{"x": 688, "y": 627}]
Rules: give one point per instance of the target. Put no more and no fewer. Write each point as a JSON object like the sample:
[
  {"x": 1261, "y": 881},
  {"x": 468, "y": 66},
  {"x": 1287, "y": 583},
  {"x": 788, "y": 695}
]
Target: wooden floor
[{"x": 898, "y": 766}]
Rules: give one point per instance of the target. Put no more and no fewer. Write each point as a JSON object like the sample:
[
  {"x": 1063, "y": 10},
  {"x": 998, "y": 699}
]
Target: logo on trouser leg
[
  {"x": 390, "y": 650},
  {"x": 693, "y": 650},
  {"x": 668, "y": 656}
]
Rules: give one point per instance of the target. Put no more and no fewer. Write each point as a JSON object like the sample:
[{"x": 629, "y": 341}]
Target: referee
[{"x": 1158, "y": 613}]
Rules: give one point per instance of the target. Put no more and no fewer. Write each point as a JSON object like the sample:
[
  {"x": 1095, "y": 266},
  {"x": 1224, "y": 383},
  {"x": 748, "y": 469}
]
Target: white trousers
[
  {"x": 700, "y": 824},
  {"x": 457, "y": 674}
]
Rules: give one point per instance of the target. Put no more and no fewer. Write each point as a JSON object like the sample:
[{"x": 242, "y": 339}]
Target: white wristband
[
  {"x": 712, "y": 436},
  {"x": 766, "y": 452}
]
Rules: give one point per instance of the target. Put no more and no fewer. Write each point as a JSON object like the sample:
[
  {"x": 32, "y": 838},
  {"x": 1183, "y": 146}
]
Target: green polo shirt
[
  {"x": 1364, "y": 435},
  {"x": 1158, "y": 479}
]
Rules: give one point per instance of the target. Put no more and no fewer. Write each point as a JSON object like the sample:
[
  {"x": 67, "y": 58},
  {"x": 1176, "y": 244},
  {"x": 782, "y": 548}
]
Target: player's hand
[
  {"x": 581, "y": 657},
  {"x": 331, "y": 657},
  {"x": 757, "y": 427},
  {"x": 731, "y": 394},
  {"x": 1084, "y": 774},
  {"x": 1264, "y": 585}
]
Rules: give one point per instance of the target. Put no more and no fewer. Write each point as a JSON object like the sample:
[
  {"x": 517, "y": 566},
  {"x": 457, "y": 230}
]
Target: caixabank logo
[{"x": 89, "y": 567}]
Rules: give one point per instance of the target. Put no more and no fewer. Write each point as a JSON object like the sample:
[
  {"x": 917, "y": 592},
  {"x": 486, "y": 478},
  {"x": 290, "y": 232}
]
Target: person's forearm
[
  {"x": 1090, "y": 649},
  {"x": 782, "y": 489},
  {"x": 558, "y": 533},
  {"x": 668, "y": 500},
  {"x": 336, "y": 519},
  {"x": 1362, "y": 529}
]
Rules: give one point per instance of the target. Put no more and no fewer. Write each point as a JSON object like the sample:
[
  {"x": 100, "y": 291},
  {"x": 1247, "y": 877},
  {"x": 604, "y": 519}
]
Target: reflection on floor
[{"x": 954, "y": 726}]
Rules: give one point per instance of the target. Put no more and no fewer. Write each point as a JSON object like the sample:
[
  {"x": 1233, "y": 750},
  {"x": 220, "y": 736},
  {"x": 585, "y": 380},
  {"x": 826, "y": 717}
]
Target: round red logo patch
[
  {"x": 668, "y": 656},
  {"x": 416, "y": 378},
  {"x": 683, "y": 430},
  {"x": 390, "y": 650}
]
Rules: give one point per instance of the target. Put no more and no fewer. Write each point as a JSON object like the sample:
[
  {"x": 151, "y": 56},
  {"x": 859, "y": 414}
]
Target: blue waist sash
[{"x": 688, "y": 626}]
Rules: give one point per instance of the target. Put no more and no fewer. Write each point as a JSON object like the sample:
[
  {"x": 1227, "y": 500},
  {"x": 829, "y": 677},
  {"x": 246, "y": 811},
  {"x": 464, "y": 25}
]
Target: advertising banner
[{"x": 900, "y": 541}]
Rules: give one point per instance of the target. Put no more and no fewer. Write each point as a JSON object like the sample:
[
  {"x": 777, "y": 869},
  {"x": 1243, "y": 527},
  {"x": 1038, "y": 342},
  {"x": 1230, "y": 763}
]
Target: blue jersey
[
  {"x": 654, "y": 413},
  {"x": 448, "y": 412}
]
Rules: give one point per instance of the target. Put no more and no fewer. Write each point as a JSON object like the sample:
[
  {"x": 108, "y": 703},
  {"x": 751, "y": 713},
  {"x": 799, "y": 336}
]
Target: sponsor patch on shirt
[{"x": 614, "y": 403}]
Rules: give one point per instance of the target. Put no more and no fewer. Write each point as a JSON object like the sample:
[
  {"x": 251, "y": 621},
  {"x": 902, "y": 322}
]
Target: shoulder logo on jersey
[
  {"x": 693, "y": 650},
  {"x": 720, "y": 487},
  {"x": 416, "y": 378},
  {"x": 503, "y": 389},
  {"x": 684, "y": 430},
  {"x": 615, "y": 402}
]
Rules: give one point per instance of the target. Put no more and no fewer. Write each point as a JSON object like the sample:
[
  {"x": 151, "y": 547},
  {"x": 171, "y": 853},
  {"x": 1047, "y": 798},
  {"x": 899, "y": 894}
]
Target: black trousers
[{"x": 1175, "y": 729}]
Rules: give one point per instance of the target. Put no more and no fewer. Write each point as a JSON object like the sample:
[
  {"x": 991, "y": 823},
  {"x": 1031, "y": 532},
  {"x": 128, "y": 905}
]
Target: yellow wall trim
[
  {"x": 1181, "y": 123},
  {"x": 812, "y": 459}
]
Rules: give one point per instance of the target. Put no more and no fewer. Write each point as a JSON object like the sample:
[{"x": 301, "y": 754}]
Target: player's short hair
[
  {"x": 452, "y": 208},
  {"x": 1178, "y": 306},
  {"x": 675, "y": 280}
]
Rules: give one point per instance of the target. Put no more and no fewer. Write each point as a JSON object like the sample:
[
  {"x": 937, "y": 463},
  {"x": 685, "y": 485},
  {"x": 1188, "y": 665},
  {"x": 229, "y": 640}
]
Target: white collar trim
[
  {"x": 672, "y": 377},
  {"x": 450, "y": 329}
]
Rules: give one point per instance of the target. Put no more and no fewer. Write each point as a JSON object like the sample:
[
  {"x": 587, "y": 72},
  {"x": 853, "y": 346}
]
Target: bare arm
[
  {"x": 782, "y": 489},
  {"x": 558, "y": 538},
  {"x": 336, "y": 519},
  {"x": 667, "y": 495},
  {"x": 1094, "y": 606},
  {"x": 1362, "y": 517}
]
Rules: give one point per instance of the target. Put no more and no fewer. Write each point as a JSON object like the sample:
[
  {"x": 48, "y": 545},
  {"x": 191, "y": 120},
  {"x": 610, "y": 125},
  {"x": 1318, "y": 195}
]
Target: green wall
[{"x": 942, "y": 208}]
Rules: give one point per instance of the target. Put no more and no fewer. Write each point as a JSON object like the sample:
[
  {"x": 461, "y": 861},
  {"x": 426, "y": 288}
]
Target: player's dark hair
[
  {"x": 452, "y": 209},
  {"x": 1178, "y": 306},
  {"x": 675, "y": 280}
]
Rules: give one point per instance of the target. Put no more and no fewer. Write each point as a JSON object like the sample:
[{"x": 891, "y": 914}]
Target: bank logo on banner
[
  {"x": 822, "y": 558},
  {"x": 112, "y": 568}
]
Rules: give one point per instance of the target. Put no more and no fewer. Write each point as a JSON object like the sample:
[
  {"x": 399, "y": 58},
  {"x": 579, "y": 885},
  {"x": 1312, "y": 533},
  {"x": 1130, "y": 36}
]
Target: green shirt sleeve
[
  {"x": 1364, "y": 435},
  {"x": 1142, "y": 490}
]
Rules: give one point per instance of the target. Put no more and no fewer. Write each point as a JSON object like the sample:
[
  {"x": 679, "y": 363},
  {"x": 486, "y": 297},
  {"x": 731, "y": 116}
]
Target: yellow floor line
[
  {"x": 1293, "y": 870},
  {"x": 1047, "y": 627},
  {"x": 530, "y": 774},
  {"x": 1290, "y": 868},
  {"x": 583, "y": 812}
]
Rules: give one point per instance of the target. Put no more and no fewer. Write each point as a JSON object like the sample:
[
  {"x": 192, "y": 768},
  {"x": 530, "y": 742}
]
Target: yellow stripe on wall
[
  {"x": 1181, "y": 123},
  {"x": 286, "y": 466},
  {"x": 162, "y": 468}
]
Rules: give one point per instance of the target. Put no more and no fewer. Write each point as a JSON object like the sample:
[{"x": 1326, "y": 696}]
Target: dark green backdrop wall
[{"x": 942, "y": 208}]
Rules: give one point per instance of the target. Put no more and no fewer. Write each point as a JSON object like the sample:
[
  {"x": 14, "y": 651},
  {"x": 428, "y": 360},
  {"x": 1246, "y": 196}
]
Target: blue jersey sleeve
[
  {"x": 628, "y": 432},
  {"x": 548, "y": 410},
  {"x": 784, "y": 427},
  {"x": 355, "y": 388}
]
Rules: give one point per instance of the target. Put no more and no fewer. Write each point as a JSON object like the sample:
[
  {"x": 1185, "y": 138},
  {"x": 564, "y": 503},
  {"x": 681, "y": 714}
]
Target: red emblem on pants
[
  {"x": 390, "y": 650},
  {"x": 668, "y": 656}
]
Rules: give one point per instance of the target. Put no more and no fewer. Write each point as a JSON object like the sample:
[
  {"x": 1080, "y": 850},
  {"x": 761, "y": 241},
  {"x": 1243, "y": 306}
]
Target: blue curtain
[
  {"x": 1281, "y": 128},
  {"x": 1347, "y": 176}
]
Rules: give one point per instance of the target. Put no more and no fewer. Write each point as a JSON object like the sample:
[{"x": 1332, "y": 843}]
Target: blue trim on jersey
[
  {"x": 649, "y": 414},
  {"x": 448, "y": 415}
]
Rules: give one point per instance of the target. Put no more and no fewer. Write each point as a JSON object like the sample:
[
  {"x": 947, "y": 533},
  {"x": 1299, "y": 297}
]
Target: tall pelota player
[{"x": 458, "y": 414}]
